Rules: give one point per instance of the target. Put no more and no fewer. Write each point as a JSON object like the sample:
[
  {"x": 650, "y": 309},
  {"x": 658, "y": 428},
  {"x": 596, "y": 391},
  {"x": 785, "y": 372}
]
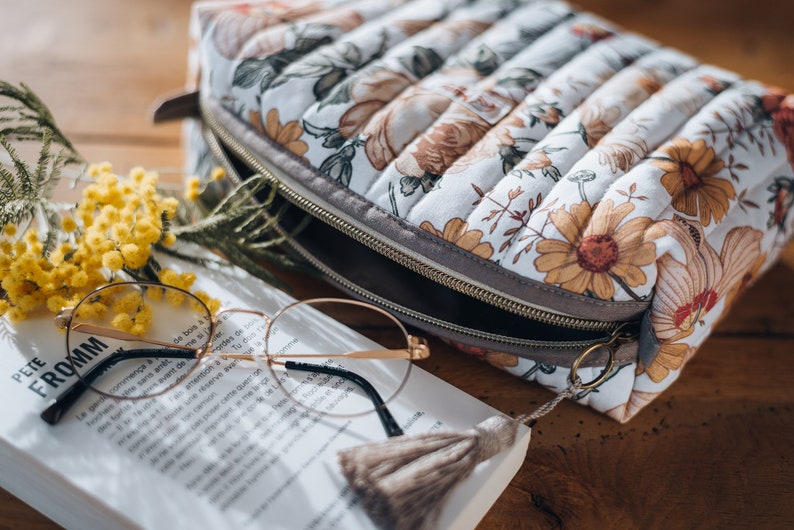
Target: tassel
[{"x": 402, "y": 482}]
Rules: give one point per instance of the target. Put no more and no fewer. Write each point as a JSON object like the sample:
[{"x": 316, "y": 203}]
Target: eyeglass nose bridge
[
  {"x": 213, "y": 351},
  {"x": 227, "y": 310}
]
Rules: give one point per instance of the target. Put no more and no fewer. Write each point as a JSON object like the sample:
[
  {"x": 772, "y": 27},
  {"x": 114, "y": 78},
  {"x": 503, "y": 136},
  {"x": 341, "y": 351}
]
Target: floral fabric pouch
[{"x": 530, "y": 182}]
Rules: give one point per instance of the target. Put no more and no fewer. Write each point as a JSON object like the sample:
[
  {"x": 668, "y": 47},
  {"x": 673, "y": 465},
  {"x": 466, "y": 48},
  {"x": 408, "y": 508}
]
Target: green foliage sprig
[
  {"x": 244, "y": 230},
  {"x": 240, "y": 228},
  {"x": 26, "y": 190},
  {"x": 29, "y": 119}
]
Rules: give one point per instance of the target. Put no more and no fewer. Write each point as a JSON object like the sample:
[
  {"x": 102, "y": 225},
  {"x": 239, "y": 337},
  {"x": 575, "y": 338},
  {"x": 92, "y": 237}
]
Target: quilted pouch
[{"x": 530, "y": 182}]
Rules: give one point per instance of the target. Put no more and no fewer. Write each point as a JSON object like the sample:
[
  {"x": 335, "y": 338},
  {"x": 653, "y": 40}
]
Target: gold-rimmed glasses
[{"x": 136, "y": 340}]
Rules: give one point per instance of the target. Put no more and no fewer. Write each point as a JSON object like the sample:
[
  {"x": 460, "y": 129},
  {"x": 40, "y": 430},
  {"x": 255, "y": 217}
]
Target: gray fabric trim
[
  {"x": 649, "y": 345},
  {"x": 396, "y": 232},
  {"x": 562, "y": 357}
]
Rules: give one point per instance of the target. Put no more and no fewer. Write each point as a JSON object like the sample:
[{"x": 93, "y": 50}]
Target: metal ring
[{"x": 572, "y": 377}]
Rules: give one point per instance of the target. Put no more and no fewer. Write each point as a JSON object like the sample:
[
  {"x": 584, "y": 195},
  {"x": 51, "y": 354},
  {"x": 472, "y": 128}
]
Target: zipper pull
[
  {"x": 624, "y": 333},
  {"x": 177, "y": 107}
]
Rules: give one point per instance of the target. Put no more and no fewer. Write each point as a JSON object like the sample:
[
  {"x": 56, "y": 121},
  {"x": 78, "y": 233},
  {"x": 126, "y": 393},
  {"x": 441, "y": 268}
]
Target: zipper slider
[
  {"x": 624, "y": 333},
  {"x": 177, "y": 107}
]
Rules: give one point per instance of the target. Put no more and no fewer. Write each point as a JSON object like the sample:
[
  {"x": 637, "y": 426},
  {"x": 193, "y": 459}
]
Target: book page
[{"x": 226, "y": 447}]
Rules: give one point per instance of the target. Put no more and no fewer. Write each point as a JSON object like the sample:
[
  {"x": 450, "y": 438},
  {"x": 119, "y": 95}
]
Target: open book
[{"x": 221, "y": 453}]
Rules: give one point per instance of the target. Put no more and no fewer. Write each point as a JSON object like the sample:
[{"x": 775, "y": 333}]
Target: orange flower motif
[
  {"x": 637, "y": 400},
  {"x": 234, "y": 27},
  {"x": 650, "y": 85},
  {"x": 447, "y": 140},
  {"x": 622, "y": 151},
  {"x": 370, "y": 93},
  {"x": 498, "y": 359},
  {"x": 535, "y": 160},
  {"x": 690, "y": 179},
  {"x": 687, "y": 291},
  {"x": 591, "y": 31},
  {"x": 596, "y": 121},
  {"x": 457, "y": 232},
  {"x": 596, "y": 252},
  {"x": 393, "y": 127},
  {"x": 501, "y": 360},
  {"x": 497, "y": 143},
  {"x": 747, "y": 279},
  {"x": 546, "y": 113},
  {"x": 287, "y": 135}
]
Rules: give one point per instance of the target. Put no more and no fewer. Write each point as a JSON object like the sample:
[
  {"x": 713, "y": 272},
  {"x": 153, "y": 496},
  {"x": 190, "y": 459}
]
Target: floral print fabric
[{"x": 542, "y": 140}]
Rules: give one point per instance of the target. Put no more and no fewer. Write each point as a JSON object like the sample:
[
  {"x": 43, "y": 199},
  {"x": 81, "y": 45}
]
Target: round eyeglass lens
[
  {"x": 133, "y": 340},
  {"x": 338, "y": 357}
]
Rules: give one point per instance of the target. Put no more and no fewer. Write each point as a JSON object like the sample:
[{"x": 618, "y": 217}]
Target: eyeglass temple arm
[
  {"x": 112, "y": 333},
  {"x": 387, "y": 420},
  {"x": 417, "y": 350},
  {"x": 64, "y": 401}
]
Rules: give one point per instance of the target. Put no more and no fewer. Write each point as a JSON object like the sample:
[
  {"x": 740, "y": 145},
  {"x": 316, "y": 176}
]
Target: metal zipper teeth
[
  {"x": 220, "y": 155},
  {"x": 403, "y": 258},
  {"x": 441, "y": 324},
  {"x": 445, "y": 279}
]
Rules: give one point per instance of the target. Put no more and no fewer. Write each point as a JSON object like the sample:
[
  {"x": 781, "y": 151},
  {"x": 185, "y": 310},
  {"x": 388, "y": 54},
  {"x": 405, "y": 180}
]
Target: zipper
[{"x": 220, "y": 135}]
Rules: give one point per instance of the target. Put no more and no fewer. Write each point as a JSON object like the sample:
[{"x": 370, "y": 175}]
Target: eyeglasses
[{"x": 136, "y": 340}]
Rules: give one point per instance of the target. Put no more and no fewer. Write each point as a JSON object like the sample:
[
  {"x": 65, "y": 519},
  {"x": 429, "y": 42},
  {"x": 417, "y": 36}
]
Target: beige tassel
[{"x": 403, "y": 481}]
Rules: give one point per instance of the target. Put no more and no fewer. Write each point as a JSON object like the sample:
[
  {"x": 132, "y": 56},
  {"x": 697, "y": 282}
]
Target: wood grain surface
[{"x": 714, "y": 451}]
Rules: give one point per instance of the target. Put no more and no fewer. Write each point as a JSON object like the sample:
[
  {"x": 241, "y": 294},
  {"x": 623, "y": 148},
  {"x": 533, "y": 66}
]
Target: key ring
[
  {"x": 611, "y": 344},
  {"x": 603, "y": 375}
]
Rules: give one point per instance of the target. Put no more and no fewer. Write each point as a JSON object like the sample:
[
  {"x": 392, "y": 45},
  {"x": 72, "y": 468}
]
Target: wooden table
[{"x": 713, "y": 451}]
